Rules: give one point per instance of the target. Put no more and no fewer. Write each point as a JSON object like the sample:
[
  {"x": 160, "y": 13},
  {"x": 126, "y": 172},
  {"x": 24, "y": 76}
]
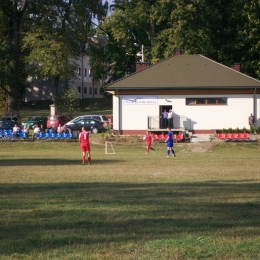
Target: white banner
[{"x": 139, "y": 100}]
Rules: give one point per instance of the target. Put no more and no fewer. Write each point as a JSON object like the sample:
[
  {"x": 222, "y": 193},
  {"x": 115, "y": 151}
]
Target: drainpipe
[
  {"x": 82, "y": 78},
  {"x": 119, "y": 112},
  {"x": 255, "y": 110}
]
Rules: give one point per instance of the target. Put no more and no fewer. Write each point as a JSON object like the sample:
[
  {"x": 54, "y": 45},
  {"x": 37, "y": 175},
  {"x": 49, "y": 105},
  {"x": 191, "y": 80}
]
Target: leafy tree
[
  {"x": 69, "y": 101},
  {"x": 56, "y": 41},
  {"x": 12, "y": 13},
  {"x": 248, "y": 40},
  {"x": 61, "y": 24},
  {"x": 126, "y": 29},
  {"x": 3, "y": 75},
  {"x": 226, "y": 31},
  {"x": 49, "y": 56}
]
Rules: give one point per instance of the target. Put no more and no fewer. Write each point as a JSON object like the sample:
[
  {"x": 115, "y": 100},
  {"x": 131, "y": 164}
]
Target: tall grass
[{"x": 129, "y": 205}]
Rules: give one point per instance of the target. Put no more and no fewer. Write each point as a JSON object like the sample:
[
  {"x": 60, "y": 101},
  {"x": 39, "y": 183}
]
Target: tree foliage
[
  {"x": 50, "y": 32},
  {"x": 226, "y": 31},
  {"x": 68, "y": 101}
]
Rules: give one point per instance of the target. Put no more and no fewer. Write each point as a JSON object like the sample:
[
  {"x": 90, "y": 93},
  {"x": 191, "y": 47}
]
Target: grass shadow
[{"x": 51, "y": 216}]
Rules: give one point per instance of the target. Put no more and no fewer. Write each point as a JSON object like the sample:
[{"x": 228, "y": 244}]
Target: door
[{"x": 163, "y": 116}]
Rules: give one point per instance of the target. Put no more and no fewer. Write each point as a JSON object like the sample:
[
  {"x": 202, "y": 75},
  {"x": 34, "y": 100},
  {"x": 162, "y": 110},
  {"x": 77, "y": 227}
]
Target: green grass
[
  {"x": 129, "y": 205},
  {"x": 87, "y": 106}
]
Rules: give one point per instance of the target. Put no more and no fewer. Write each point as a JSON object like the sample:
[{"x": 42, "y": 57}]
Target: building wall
[
  {"x": 84, "y": 83},
  {"x": 257, "y": 110},
  {"x": 134, "y": 115},
  {"x": 116, "y": 112}
]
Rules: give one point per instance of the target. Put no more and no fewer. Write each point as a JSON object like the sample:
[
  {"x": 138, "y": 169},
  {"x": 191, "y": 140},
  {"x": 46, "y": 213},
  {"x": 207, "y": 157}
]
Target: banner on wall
[{"x": 139, "y": 100}]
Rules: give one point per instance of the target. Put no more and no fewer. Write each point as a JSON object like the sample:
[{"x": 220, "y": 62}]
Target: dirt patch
[{"x": 201, "y": 147}]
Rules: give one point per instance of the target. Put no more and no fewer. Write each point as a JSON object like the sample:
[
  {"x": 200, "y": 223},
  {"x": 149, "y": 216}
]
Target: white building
[{"x": 204, "y": 95}]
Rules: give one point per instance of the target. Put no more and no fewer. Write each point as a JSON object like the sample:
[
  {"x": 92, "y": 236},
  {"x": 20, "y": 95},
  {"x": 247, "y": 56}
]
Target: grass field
[
  {"x": 89, "y": 106},
  {"x": 129, "y": 205}
]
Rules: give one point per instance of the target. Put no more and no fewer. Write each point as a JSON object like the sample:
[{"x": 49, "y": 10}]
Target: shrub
[
  {"x": 230, "y": 130},
  {"x": 244, "y": 130},
  {"x": 252, "y": 129}
]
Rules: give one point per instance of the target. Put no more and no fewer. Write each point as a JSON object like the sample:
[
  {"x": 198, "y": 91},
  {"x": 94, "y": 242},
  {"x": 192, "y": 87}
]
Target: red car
[{"x": 55, "y": 120}]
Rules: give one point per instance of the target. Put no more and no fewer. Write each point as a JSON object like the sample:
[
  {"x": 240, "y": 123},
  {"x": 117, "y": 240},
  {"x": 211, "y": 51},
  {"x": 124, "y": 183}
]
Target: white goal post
[{"x": 109, "y": 149}]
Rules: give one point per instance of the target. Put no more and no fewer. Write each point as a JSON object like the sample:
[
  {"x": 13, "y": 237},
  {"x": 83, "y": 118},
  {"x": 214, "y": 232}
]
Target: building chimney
[
  {"x": 236, "y": 67},
  {"x": 178, "y": 52},
  {"x": 141, "y": 65}
]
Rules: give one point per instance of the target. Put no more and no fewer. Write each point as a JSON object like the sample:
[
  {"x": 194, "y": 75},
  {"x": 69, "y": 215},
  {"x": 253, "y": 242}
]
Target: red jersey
[
  {"x": 148, "y": 138},
  {"x": 84, "y": 141},
  {"x": 84, "y": 137}
]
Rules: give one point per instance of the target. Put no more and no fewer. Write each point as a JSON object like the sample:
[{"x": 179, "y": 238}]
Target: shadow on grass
[
  {"x": 48, "y": 162},
  {"x": 35, "y": 217}
]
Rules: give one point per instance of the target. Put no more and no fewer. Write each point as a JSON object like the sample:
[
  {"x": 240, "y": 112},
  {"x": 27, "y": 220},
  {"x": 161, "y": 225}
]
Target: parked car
[
  {"x": 8, "y": 124},
  {"x": 33, "y": 120},
  {"x": 91, "y": 124},
  {"x": 100, "y": 118},
  {"x": 54, "y": 121},
  {"x": 16, "y": 119}
]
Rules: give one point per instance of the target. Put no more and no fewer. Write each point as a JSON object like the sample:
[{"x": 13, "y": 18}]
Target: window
[
  {"x": 79, "y": 89},
  {"x": 79, "y": 71},
  {"x": 90, "y": 72},
  {"x": 80, "y": 122},
  {"x": 85, "y": 90},
  {"x": 85, "y": 72},
  {"x": 95, "y": 91},
  {"x": 90, "y": 90},
  {"x": 206, "y": 101}
]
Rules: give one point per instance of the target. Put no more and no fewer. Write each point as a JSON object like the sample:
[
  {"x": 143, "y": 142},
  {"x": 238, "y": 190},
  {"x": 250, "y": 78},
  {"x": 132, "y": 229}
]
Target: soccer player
[
  {"x": 85, "y": 146},
  {"x": 169, "y": 143},
  {"x": 149, "y": 139}
]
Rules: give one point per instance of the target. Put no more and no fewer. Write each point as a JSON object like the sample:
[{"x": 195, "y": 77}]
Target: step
[{"x": 196, "y": 138}]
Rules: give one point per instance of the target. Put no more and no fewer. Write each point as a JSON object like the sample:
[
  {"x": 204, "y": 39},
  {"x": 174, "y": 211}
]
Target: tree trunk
[
  {"x": 56, "y": 82},
  {"x": 12, "y": 102},
  {"x": 14, "y": 14}
]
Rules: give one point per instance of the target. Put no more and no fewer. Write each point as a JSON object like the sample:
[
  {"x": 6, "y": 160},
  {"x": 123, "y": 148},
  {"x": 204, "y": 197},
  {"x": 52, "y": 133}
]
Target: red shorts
[
  {"x": 85, "y": 147},
  {"x": 148, "y": 144}
]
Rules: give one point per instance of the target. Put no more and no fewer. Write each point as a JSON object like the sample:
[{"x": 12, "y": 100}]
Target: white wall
[
  {"x": 205, "y": 117},
  {"x": 234, "y": 114},
  {"x": 257, "y": 115},
  {"x": 115, "y": 112}
]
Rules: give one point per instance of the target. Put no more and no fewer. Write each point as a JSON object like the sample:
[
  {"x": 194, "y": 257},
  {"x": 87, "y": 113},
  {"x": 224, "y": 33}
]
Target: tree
[
  {"x": 68, "y": 101},
  {"x": 12, "y": 13},
  {"x": 226, "y": 31},
  {"x": 57, "y": 39},
  {"x": 248, "y": 39},
  {"x": 58, "y": 24}
]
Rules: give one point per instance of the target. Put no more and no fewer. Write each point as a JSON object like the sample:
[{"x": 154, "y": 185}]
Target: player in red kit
[
  {"x": 149, "y": 139},
  {"x": 84, "y": 144}
]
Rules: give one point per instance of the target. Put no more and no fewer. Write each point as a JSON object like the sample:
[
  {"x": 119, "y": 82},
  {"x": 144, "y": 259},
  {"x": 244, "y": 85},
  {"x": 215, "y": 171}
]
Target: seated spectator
[
  {"x": 42, "y": 129},
  {"x": 36, "y": 130},
  {"x": 59, "y": 129},
  {"x": 26, "y": 130},
  {"x": 16, "y": 130},
  {"x": 54, "y": 129}
]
